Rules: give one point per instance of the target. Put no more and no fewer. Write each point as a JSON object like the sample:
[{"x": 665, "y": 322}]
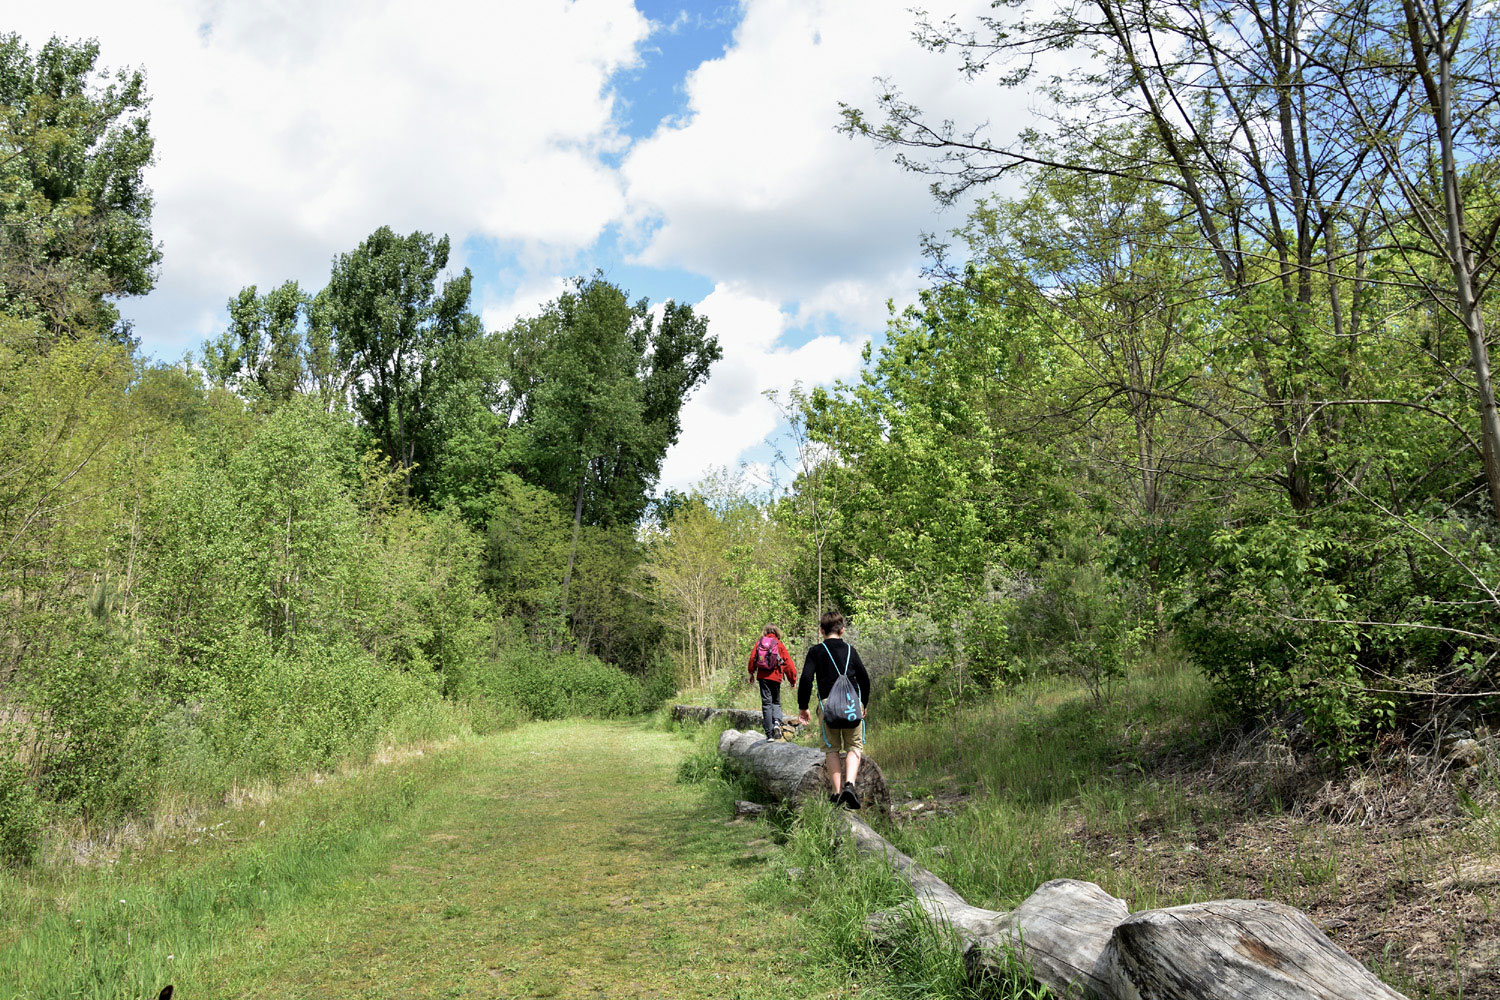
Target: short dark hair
[
  {"x": 772, "y": 630},
  {"x": 831, "y": 622}
]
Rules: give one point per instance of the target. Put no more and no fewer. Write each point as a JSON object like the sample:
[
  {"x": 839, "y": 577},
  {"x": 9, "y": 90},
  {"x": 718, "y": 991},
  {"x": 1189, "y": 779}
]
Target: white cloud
[
  {"x": 730, "y": 416},
  {"x": 287, "y": 131},
  {"x": 527, "y": 300},
  {"x": 755, "y": 186}
]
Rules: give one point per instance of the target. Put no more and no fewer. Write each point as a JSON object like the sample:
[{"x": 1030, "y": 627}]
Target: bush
[
  {"x": 1286, "y": 620},
  {"x": 659, "y": 685},
  {"x": 20, "y": 812},
  {"x": 1077, "y": 618},
  {"x": 96, "y": 712},
  {"x": 546, "y": 685}
]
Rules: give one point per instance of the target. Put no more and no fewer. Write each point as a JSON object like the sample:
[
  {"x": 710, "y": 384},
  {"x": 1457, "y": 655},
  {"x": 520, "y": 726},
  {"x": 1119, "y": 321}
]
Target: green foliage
[
  {"x": 75, "y": 212},
  {"x": 1341, "y": 625},
  {"x": 394, "y": 328},
  {"x": 597, "y": 384},
  {"x": 547, "y": 685},
  {"x": 21, "y": 813},
  {"x": 94, "y": 715}
]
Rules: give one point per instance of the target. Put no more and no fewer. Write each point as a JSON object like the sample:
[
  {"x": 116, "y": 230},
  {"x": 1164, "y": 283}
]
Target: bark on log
[
  {"x": 1243, "y": 947},
  {"x": 739, "y": 718},
  {"x": 788, "y": 772},
  {"x": 1079, "y": 941},
  {"x": 1062, "y": 929}
]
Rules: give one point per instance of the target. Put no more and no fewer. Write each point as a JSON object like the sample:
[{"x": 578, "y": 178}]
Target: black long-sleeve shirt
[{"x": 817, "y": 664}]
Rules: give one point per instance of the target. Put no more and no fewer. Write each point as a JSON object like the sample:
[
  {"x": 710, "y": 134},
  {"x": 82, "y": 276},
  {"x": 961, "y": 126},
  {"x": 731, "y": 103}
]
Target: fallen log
[
  {"x": 788, "y": 772},
  {"x": 739, "y": 718},
  {"x": 1079, "y": 941}
]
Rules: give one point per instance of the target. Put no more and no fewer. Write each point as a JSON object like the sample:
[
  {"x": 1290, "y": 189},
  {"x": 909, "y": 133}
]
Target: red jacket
[{"x": 787, "y": 671}]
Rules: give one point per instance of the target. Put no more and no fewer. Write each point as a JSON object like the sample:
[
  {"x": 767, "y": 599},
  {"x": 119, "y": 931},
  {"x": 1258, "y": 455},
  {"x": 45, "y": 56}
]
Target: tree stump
[{"x": 788, "y": 773}]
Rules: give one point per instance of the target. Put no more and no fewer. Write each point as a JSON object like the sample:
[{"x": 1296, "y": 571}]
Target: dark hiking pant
[{"x": 770, "y": 706}]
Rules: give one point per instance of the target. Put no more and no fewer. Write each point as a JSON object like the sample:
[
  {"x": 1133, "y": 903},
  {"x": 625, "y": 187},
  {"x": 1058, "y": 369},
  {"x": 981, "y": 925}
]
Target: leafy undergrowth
[
  {"x": 1156, "y": 799},
  {"x": 558, "y": 859}
]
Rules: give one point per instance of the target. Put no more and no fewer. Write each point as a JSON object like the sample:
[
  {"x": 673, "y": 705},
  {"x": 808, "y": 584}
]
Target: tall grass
[
  {"x": 130, "y": 927},
  {"x": 1036, "y": 768},
  {"x": 838, "y": 891}
]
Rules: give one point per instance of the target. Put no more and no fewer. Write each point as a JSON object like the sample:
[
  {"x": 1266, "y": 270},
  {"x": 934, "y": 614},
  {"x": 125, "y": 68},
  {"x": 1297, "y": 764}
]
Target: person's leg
[
  {"x": 854, "y": 742},
  {"x": 775, "y": 687},
  {"x": 765, "y": 705},
  {"x": 832, "y": 766},
  {"x": 856, "y": 750}
]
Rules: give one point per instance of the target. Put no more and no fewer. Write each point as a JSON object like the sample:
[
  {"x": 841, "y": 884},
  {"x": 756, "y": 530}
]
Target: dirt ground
[{"x": 1399, "y": 864}]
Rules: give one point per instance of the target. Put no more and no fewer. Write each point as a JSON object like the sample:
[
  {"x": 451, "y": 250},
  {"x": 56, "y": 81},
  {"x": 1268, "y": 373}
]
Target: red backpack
[{"x": 768, "y": 655}]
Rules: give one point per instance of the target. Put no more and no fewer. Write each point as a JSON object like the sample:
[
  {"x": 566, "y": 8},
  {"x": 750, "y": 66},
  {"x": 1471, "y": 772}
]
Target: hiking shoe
[
  {"x": 848, "y": 797},
  {"x": 836, "y": 799},
  {"x": 776, "y": 732}
]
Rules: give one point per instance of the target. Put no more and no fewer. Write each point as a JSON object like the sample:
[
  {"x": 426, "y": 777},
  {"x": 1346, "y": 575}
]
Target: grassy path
[{"x": 556, "y": 860}]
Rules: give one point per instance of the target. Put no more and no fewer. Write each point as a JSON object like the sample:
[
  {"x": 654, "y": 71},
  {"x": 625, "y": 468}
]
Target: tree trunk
[
  {"x": 573, "y": 551},
  {"x": 788, "y": 772},
  {"x": 1079, "y": 941},
  {"x": 1429, "y": 34}
]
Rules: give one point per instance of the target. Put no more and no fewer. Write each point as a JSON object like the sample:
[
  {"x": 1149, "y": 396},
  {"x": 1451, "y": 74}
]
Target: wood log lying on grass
[
  {"x": 788, "y": 772},
  {"x": 739, "y": 718},
  {"x": 1079, "y": 941}
]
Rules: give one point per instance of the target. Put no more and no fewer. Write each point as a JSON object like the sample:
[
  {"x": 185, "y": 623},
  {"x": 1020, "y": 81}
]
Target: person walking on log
[
  {"x": 770, "y": 664},
  {"x": 843, "y": 702}
]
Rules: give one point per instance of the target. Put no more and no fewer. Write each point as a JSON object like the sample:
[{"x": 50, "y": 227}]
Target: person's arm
[
  {"x": 791, "y": 668},
  {"x": 804, "y": 686}
]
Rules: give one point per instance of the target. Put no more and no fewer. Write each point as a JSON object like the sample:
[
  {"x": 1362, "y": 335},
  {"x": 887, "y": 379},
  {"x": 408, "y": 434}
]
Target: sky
[{"x": 687, "y": 151}]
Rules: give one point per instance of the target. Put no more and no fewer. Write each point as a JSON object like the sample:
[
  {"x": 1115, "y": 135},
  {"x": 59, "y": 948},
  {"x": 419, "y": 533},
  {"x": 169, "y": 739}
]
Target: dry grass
[{"x": 1162, "y": 803}]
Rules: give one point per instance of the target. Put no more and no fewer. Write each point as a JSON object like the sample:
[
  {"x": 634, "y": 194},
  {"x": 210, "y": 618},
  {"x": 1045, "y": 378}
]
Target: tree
[
  {"x": 596, "y": 385},
  {"x": 1230, "y": 98},
  {"x": 1419, "y": 79},
  {"x": 75, "y": 211},
  {"x": 814, "y": 497},
  {"x": 717, "y": 568},
  {"x": 264, "y": 345},
  {"x": 393, "y": 327}
]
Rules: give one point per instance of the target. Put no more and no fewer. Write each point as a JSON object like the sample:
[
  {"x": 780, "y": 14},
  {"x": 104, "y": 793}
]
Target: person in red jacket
[{"x": 770, "y": 664}]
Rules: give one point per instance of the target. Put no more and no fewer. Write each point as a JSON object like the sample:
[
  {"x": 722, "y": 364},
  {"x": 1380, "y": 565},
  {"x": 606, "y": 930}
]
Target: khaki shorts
[{"x": 844, "y": 740}]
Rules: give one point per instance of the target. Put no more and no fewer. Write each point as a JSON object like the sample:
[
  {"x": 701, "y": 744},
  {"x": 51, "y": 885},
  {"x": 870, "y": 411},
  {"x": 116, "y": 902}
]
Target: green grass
[
  {"x": 559, "y": 859},
  {"x": 1037, "y": 766}
]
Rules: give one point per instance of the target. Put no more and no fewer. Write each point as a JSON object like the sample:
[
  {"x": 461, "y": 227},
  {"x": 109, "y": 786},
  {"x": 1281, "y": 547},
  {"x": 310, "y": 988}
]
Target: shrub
[
  {"x": 1288, "y": 620},
  {"x": 547, "y": 685},
  {"x": 95, "y": 713},
  {"x": 20, "y": 812},
  {"x": 659, "y": 685}
]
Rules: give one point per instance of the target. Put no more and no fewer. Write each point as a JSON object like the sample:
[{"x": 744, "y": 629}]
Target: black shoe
[
  {"x": 849, "y": 798},
  {"x": 776, "y": 731},
  {"x": 836, "y": 799}
]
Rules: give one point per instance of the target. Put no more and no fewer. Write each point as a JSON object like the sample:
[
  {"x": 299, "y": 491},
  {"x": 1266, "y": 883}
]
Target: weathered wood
[
  {"x": 788, "y": 772},
  {"x": 1079, "y": 941},
  {"x": 1236, "y": 948},
  {"x": 739, "y": 718},
  {"x": 1062, "y": 929}
]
